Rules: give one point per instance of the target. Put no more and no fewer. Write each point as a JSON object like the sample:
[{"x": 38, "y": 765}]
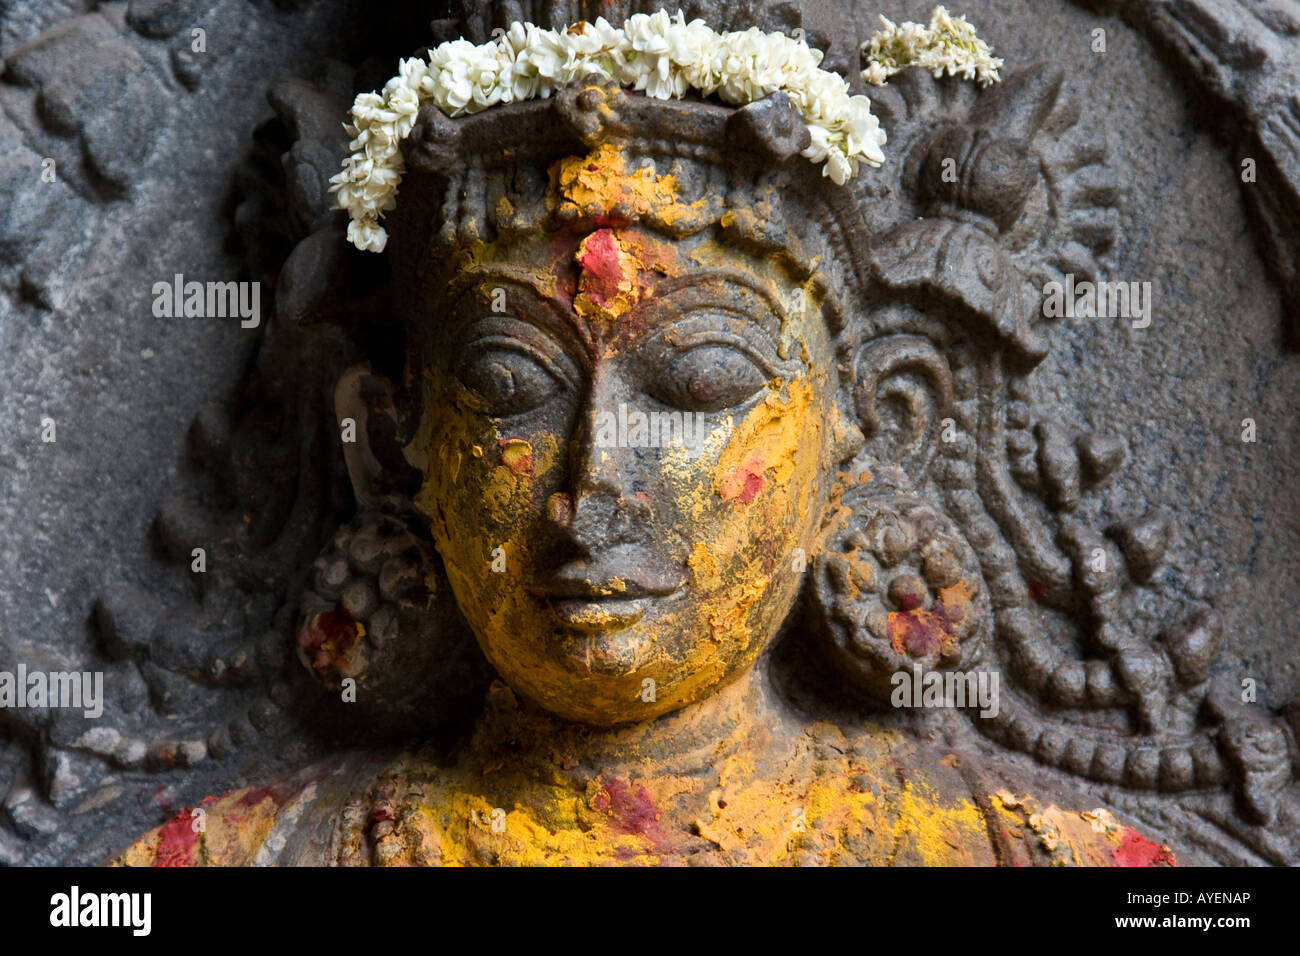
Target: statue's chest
[{"x": 731, "y": 819}]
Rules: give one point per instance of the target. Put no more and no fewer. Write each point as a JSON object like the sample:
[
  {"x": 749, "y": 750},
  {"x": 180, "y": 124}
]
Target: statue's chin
[
  {"x": 595, "y": 678},
  {"x": 604, "y": 652},
  {"x": 574, "y": 708},
  {"x": 608, "y": 660}
]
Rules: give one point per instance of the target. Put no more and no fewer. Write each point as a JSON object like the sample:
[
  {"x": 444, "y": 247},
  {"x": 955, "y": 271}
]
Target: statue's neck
[{"x": 686, "y": 741}]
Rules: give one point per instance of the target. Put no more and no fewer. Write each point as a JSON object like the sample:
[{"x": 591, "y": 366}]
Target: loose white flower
[
  {"x": 366, "y": 235},
  {"x": 662, "y": 55}
]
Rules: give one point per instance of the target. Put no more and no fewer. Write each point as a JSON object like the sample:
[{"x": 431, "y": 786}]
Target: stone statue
[{"x": 677, "y": 503}]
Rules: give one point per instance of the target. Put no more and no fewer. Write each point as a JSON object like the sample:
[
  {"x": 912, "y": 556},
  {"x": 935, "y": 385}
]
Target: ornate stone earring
[
  {"x": 379, "y": 612},
  {"x": 899, "y": 587}
]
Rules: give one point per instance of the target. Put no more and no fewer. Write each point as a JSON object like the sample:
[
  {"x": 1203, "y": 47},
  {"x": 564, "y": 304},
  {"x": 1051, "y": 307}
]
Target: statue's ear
[
  {"x": 370, "y": 426},
  {"x": 902, "y": 393}
]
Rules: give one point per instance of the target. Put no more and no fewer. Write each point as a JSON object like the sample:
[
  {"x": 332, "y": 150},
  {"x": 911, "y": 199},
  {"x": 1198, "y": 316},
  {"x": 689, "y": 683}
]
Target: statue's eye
[
  {"x": 511, "y": 380},
  {"x": 709, "y": 378}
]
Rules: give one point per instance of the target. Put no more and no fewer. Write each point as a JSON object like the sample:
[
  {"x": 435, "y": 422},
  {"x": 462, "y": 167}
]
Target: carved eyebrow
[
  {"x": 695, "y": 328},
  {"x": 543, "y": 291},
  {"x": 476, "y": 275},
  {"x": 771, "y": 366},
  {"x": 777, "y": 308}
]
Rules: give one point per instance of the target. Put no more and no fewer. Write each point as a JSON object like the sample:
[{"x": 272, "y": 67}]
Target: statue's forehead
[
  {"x": 613, "y": 250},
  {"x": 608, "y": 282},
  {"x": 603, "y": 186}
]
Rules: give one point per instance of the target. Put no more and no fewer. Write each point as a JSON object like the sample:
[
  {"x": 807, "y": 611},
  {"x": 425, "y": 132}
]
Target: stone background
[{"x": 145, "y": 184}]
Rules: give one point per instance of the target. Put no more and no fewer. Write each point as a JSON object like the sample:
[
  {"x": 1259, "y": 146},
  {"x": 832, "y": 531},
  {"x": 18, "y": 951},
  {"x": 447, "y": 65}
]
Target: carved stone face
[{"x": 627, "y": 441}]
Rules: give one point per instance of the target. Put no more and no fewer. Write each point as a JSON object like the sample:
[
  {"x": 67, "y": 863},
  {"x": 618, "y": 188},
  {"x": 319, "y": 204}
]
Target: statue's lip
[
  {"x": 591, "y": 598},
  {"x": 599, "y": 614},
  {"x": 596, "y": 585}
]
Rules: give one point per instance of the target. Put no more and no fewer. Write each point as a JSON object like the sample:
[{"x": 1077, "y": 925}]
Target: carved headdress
[{"x": 685, "y": 165}]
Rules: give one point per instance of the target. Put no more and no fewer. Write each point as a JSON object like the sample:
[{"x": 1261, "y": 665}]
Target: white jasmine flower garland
[
  {"x": 948, "y": 44},
  {"x": 661, "y": 55}
]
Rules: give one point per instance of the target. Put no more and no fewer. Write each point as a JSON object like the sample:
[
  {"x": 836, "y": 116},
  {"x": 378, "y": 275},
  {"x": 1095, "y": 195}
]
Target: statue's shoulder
[
  {"x": 942, "y": 807},
  {"x": 290, "y": 822}
]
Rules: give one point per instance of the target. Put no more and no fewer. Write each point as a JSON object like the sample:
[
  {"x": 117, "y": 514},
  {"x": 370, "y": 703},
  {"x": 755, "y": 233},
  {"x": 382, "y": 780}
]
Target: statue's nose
[{"x": 605, "y": 504}]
